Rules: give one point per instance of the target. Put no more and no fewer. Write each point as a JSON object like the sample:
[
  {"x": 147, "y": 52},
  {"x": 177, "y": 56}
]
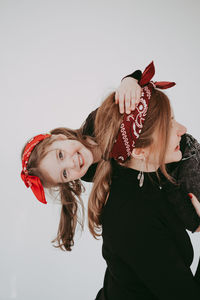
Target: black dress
[{"x": 146, "y": 247}]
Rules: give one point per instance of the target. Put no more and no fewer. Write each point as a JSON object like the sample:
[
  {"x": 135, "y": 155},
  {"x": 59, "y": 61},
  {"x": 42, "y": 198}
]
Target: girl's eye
[
  {"x": 64, "y": 174},
  {"x": 60, "y": 155}
]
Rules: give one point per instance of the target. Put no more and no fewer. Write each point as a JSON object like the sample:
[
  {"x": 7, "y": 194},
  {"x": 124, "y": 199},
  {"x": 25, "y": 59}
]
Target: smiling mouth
[{"x": 80, "y": 159}]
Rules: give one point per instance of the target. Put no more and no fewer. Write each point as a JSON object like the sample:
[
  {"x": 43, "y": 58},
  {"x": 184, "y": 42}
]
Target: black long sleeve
[{"x": 136, "y": 75}]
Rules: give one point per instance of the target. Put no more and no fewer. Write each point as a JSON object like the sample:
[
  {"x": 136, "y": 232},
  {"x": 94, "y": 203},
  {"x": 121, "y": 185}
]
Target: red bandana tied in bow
[
  {"x": 33, "y": 181},
  {"x": 132, "y": 123}
]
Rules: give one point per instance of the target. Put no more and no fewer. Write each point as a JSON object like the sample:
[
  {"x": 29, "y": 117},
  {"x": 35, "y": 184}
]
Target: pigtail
[
  {"x": 71, "y": 200},
  {"x": 107, "y": 123}
]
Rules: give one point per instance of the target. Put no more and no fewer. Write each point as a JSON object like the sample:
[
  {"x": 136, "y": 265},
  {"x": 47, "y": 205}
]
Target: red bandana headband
[
  {"x": 132, "y": 123},
  {"x": 33, "y": 181}
]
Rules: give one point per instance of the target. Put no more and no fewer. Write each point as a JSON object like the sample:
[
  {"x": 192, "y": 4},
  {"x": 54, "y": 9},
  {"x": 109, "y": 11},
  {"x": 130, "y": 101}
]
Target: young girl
[
  {"x": 47, "y": 159},
  {"x": 146, "y": 247},
  {"x": 63, "y": 157}
]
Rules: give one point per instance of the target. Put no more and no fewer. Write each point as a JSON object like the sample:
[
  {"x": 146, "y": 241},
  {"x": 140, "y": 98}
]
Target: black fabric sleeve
[
  {"x": 89, "y": 176},
  {"x": 187, "y": 174},
  {"x": 88, "y": 129},
  {"x": 153, "y": 255},
  {"x": 136, "y": 75},
  {"x": 88, "y": 125},
  {"x": 187, "y": 171},
  {"x": 178, "y": 197}
]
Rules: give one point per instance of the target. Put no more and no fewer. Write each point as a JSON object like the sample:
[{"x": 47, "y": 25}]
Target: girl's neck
[{"x": 140, "y": 165}]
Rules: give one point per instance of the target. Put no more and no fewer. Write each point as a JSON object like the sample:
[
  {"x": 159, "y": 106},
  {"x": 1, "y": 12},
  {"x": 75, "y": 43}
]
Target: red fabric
[
  {"x": 164, "y": 84},
  {"x": 33, "y": 181},
  {"x": 147, "y": 74},
  {"x": 132, "y": 123}
]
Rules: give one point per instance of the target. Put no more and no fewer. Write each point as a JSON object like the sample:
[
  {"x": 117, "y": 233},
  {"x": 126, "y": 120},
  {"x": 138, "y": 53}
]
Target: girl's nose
[
  {"x": 69, "y": 162},
  {"x": 182, "y": 129}
]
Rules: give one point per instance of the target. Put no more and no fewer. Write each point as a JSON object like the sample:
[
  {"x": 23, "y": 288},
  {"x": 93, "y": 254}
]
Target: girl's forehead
[
  {"x": 57, "y": 143},
  {"x": 49, "y": 167},
  {"x": 62, "y": 144},
  {"x": 51, "y": 149}
]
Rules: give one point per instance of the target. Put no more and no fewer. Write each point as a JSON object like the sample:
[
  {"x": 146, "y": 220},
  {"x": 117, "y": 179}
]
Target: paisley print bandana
[{"x": 132, "y": 123}]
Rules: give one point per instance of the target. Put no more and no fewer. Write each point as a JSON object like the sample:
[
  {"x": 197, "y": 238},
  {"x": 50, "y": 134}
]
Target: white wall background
[{"x": 58, "y": 59}]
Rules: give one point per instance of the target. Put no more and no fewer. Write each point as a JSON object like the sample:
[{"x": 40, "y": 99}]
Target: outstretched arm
[{"x": 127, "y": 96}]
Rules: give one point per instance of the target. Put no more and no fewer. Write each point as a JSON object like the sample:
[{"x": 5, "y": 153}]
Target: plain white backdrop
[{"x": 58, "y": 60}]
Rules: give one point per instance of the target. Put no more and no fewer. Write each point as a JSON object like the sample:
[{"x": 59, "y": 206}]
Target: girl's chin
[
  {"x": 87, "y": 162},
  {"x": 177, "y": 156}
]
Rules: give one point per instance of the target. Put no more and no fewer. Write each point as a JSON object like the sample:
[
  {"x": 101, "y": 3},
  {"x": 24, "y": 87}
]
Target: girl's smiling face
[{"x": 66, "y": 160}]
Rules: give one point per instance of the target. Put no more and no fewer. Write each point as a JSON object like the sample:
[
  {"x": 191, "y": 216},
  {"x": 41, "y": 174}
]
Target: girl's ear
[{"x": 138, "y": 153}]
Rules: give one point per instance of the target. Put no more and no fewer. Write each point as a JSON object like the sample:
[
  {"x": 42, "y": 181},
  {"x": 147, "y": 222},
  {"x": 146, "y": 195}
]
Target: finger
[
  {"x": 128, "y": 103},
  {"x": 133, "y": 102},
  {"x": 121, "y": 103},
  {"x": 138, "y": 98},
  {"x": 193, "y": 198},
  {"x": 190, "y": 195},
  {"x": 138, "y": 94},
  {"x": 116, "y": 97},
  {"x": 195, "y": 202}
]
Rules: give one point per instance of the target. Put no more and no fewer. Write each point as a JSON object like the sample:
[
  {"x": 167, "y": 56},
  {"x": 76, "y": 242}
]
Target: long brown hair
[
  {"x": 70, "y": 192},
  {"x": 107, "y": 124}
]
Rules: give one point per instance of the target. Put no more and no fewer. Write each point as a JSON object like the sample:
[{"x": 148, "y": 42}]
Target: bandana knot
[{"x": 33, "y": 181}]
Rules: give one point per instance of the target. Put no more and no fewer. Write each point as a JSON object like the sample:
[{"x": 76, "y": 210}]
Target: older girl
[{"x": 146, "y": 247}]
